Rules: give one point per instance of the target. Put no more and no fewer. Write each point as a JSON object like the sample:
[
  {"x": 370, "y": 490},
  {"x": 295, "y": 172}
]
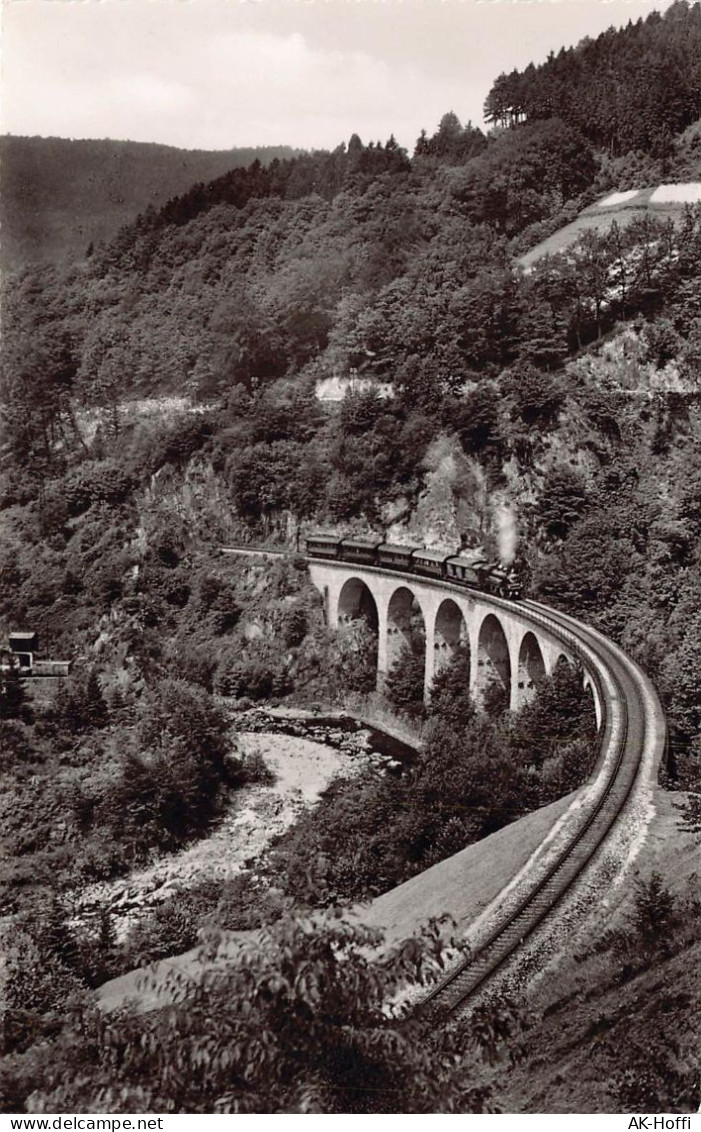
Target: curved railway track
[{"x": 632, "y": 740}]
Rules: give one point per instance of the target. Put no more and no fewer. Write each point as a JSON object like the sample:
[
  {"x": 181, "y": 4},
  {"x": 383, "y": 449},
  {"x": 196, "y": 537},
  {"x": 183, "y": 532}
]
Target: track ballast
[{"x": 633, "y": 725}]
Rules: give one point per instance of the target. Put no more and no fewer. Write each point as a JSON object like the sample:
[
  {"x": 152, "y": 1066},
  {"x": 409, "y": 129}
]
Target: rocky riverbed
[{"x": 259, "y": 813}]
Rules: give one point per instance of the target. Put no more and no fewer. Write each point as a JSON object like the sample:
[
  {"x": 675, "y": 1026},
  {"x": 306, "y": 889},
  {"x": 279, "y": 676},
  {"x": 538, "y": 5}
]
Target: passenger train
[{"x": 476, "y": 574}]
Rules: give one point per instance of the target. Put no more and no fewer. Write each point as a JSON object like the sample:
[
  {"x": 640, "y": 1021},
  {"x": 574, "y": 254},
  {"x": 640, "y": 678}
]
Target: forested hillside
[
  {"x": 159, "y": 399},
  {"x": 627, "y": 90},
  {"x": 60, "y": 196}
]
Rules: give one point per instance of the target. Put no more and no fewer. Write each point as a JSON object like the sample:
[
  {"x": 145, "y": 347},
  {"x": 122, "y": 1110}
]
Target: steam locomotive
[{"x": 476, "y": 574}]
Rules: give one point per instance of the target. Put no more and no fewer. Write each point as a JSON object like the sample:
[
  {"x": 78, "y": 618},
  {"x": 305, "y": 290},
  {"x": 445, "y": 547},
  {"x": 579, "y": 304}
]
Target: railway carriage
[
  {"x": 467, "y": 571},
  {"x": 322, "y": 546},
  {"x": 394, "y": 556},
  {"x": 430, "y": 563},
  {"x": 477, "y": 574},
  {"x": 363, "y": 550}
]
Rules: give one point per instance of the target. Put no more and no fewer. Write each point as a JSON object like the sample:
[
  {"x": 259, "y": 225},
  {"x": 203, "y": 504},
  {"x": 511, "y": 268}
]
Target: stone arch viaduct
[{"x": 506, "y": 646}]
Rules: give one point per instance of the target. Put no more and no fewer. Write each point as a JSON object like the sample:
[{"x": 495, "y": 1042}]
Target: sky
[{"x": 213, "y": 74}]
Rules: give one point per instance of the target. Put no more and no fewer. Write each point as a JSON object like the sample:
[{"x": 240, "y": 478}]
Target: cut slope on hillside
[
  {"x": 463, "y": 885},
  {"x": 60, "y": 195}
]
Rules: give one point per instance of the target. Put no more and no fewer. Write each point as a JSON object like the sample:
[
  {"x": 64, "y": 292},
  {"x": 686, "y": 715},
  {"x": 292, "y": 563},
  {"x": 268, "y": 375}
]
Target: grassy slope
[
  {"x": 599, "y": 220},
  {"x": 59, "y": 195},
  {"x": 592, "y": 1027},
  {"x": 463, "y": 885}
]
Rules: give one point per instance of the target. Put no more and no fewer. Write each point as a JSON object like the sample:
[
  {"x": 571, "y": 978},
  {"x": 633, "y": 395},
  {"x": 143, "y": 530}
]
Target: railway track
[
  {"x": 632, "y": 739},
  {"x": 252, "y": 552}
]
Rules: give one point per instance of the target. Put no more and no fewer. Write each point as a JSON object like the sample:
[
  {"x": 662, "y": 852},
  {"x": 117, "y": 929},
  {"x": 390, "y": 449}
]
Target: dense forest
[
  {"x": 626, "y": 90},
  {"x": 60, "y": 195},
  {"x": 159, "y": 398}
]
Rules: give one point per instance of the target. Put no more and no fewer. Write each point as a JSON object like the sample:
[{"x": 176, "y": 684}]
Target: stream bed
[{"x": 303, "y": 767}]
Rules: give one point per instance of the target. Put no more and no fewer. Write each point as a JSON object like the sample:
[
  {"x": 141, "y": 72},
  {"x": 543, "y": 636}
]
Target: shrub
[
  {"x": 355, "y": 657},
  {"x": 167, "y": 929},
  {"x": 563, "y": 499},
  {"x": 404, "y": 683},
  {"x": 95, "y": 481},
  {"x": 450, "y": 699},
  {"x": 259, "y": 673},
  {"x": 495, "y": 699},
  {"x": 43, "y": 966},
  {"x": 165, "y": 584},
  {"x": 194, "y": 663},
  {"x": 176, "y": 442},
  {"x": 80, "y": 705},
  {"x": 11, "y": 694},
  {"x": 162, "y": 798},
  {"x": 295, "y": 1022},
  {"x": 475, "y": 419},
  {"x": 537, "y": 397},
  {"x": 294, "y": 626},
  {"x": 662, "y": 340},
  {"x": 555, "y": 721},
  {"x": 172, "y": 770},
  {"x": 15, "y": 743},
  {"x": 654, "y": 915}
]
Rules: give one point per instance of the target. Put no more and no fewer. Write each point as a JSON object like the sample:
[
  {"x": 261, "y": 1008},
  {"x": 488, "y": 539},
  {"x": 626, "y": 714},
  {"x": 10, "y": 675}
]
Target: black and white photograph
[{"x": 350, "y": 548}]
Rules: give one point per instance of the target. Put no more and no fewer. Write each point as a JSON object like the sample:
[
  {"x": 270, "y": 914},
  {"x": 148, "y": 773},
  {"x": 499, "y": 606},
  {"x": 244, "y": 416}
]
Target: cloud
[
  {"x": 203, "y": 76},
  {"x": 141, "y": 91},
  {"x": 137, "y": 106},
  {"x": 218, "y": 73},
  {"x": 287, "y": 76},
  {"x": 282, "y": 88}
]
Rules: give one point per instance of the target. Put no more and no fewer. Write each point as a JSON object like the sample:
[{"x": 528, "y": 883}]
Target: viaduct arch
[{"x": 505, "y": 645}]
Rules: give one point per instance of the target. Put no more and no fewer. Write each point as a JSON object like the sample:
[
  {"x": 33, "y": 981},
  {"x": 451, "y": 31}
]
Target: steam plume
[{"x": 506, "y": 525}]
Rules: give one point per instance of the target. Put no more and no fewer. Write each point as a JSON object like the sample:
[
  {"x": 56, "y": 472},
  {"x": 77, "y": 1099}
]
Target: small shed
[{"x": 23, "y": 645}]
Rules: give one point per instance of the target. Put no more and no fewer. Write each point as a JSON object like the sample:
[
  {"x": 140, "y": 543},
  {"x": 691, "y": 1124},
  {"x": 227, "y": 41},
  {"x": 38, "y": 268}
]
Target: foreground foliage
[{"x": 295, "y": 1020}]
